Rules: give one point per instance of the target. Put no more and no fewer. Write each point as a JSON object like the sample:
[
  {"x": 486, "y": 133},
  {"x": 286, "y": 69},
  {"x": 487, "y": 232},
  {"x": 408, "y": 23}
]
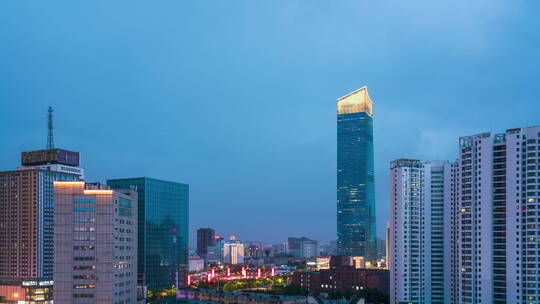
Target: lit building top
[
  {"x": 355, "y": 102},
  {"x": 86, "y": 188}
]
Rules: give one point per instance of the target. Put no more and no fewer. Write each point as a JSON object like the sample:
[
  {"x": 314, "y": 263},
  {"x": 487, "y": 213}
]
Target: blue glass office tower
[
  {"x": 356, "y": 228},
  {"x": 162, "y": 229}
]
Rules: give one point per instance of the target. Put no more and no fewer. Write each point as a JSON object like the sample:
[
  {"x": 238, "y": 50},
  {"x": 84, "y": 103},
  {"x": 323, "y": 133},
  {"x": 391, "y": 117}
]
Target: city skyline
[{"x": 266, "y": 134}]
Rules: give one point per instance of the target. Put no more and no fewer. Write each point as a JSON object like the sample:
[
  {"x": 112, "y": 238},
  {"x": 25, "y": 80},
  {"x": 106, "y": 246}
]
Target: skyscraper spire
[{"x": 50, "y": 139}]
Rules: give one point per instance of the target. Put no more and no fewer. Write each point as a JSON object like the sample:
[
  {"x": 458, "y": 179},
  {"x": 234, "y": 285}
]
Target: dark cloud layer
[{"x": 237, "y": 98}]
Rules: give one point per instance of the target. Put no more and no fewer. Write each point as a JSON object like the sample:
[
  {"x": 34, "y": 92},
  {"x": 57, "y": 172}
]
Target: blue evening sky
[{"x": 237, "y": 98}]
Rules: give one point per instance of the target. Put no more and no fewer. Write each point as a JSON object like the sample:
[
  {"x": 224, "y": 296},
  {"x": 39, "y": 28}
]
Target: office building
[
  {"x": 281, "y": 248},
  {"x": 422, "y": 200},
  {"x": 356, "y": 226},
  {"x": 205, "y": 237},
  {"x": 333, "y": 247},
  {"x": 95, "y": 253},
  {"x": 233, "y": 252},
  {"x": 269, "y": 252},
  {"x": 303, "y": 247},
  {"x": 294, "y": 245},
  {"x": 381, "y": 248},
  {"x": 215, "y": 253},
  {"x": 254, "y": 251},
  {"x": 309, "y": 248},
  {"x": 162, "y": 229},
  {"x": 27, "y": 222}
]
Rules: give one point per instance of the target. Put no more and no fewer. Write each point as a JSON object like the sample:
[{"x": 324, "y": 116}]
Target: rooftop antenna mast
[{"x": 50, "y": 139}]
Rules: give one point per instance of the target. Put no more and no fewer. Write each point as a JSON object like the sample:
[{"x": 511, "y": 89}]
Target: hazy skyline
[{"x": 238, "y": 98}]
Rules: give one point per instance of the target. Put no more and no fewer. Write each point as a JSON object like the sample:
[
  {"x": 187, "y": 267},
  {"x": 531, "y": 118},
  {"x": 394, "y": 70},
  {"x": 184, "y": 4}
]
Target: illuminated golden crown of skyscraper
[{"x": 355, "y": 102}]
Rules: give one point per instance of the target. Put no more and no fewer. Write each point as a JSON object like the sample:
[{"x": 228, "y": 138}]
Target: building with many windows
[
  {"x": 233, "y": 251},
  {"x": 27, "y": 220},
  {"x": 489, "y": 223},
  {"x": 162, "y": 229},
  {"x": 476, "y": 205},
  {"x": 422, "y": 200},
  {"x": 356, "y": 225},
  {"x": 497, "y": 219},
  {"x": 303, "y": 247},
  {"x": 205, "y": 237},
  {"x": 95, "y": 253}
]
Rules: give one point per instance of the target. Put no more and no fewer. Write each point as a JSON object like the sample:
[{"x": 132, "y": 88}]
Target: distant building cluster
[
  {"x": 466, "y": 231},
  {"x": 213, "y": 249}
]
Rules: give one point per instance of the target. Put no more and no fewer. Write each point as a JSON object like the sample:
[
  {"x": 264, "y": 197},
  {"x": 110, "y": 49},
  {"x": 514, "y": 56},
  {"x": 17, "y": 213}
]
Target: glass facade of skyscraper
[
  {"x": 356, "y": 227},
  {"x": 162, "y": 229}
]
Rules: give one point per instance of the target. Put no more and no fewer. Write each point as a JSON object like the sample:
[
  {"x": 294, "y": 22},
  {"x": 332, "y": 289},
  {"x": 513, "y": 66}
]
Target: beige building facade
[{"x": 95, "y": 252}]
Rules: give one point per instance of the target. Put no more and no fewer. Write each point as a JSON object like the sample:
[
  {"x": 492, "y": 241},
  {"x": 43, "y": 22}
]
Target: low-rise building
[{"x": 343, "y": 277}]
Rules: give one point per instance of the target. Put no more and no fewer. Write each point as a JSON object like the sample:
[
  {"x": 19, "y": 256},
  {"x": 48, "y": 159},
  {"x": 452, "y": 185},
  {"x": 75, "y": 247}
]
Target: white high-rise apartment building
[
  {"x": 422, "y": 200},
  {"x": 498, "y": 221},
  {"x": 490, "y": 226},
  {"x": 95, "y": 248}
]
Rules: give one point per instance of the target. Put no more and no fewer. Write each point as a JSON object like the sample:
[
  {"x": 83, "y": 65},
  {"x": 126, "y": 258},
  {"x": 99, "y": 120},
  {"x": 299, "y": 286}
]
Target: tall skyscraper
[
  {"x": 95, "y": 253},
  {"x": 356, "y": 226},
  {"x": 489, "y": 225},
  {"x": 497, "y": 219},
  {"x": 27, "y": 216},
  {"x": 205, "y": 237},
  {"x": 422, "y": 200},
  {"x": 162, "y": 229}
]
